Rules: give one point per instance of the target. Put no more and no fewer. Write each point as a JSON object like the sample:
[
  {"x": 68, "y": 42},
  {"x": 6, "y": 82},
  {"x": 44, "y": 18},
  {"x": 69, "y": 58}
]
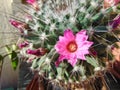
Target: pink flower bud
[
  {"x": 17, "y": 24},
  {"x": 33, "y": 3},
  {"x": 36, "y": 52},
  {"x": 22, "y": 45}
]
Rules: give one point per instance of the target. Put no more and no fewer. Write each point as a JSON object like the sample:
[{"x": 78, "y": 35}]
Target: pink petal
[
  {"x": 82, "y": 51},
  {"x": 60, "y": 59},
  {"x": 68, "y": 34},
  {"x": 82, "y": 32},
  {"x": 81, "y": 36},
  {"x": 63, "y": 40},
  {"x": 84, "y": 46},
  {"x": 81, "y": 56},
  {"x": 72, "y": 58},
  {"x": 61, "y": 47},
  {"x": 72, "y": 61}
]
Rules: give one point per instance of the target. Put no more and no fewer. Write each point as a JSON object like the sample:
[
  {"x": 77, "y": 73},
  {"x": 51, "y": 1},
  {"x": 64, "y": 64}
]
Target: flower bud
[
  {"x": 22, "y": 45},
  {"x": 36, "y": 52},
  {"x": 33, "y": 3},
  {"x": 19, "y": 25}
]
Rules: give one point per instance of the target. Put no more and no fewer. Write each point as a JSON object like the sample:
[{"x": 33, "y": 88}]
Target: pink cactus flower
[
  {"x": 33, "y": 3},
  {"x": 22, "y": 45},
  {"x": 17, "y": 24},
  {"x": 72, "y": 47}
]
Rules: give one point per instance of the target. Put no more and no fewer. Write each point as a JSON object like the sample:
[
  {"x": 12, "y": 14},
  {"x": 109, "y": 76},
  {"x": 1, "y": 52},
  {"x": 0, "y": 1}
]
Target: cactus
[{"x": 46, "y": 25}]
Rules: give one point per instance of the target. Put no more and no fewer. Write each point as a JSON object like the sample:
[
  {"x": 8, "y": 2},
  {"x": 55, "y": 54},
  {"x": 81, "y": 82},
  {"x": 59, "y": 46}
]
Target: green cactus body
[{"x": 49, "y": 23}]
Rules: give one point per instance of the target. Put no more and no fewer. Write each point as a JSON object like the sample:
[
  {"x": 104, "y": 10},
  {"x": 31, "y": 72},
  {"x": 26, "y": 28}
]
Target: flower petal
[
  {"x": 81, "y": 55},
  {"x": 60, "y": 59},
  {"x": 68, "y": 34},
  {"x": 81, "y": 36},
  {"x": 82, "y": 32},
  {"x": 85, "y": 45},
  {"x": 72, "y": 61}
]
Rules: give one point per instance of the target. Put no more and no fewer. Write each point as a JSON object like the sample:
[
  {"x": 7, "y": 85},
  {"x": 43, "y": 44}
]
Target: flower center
[{"x": 72, "y": 46}]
